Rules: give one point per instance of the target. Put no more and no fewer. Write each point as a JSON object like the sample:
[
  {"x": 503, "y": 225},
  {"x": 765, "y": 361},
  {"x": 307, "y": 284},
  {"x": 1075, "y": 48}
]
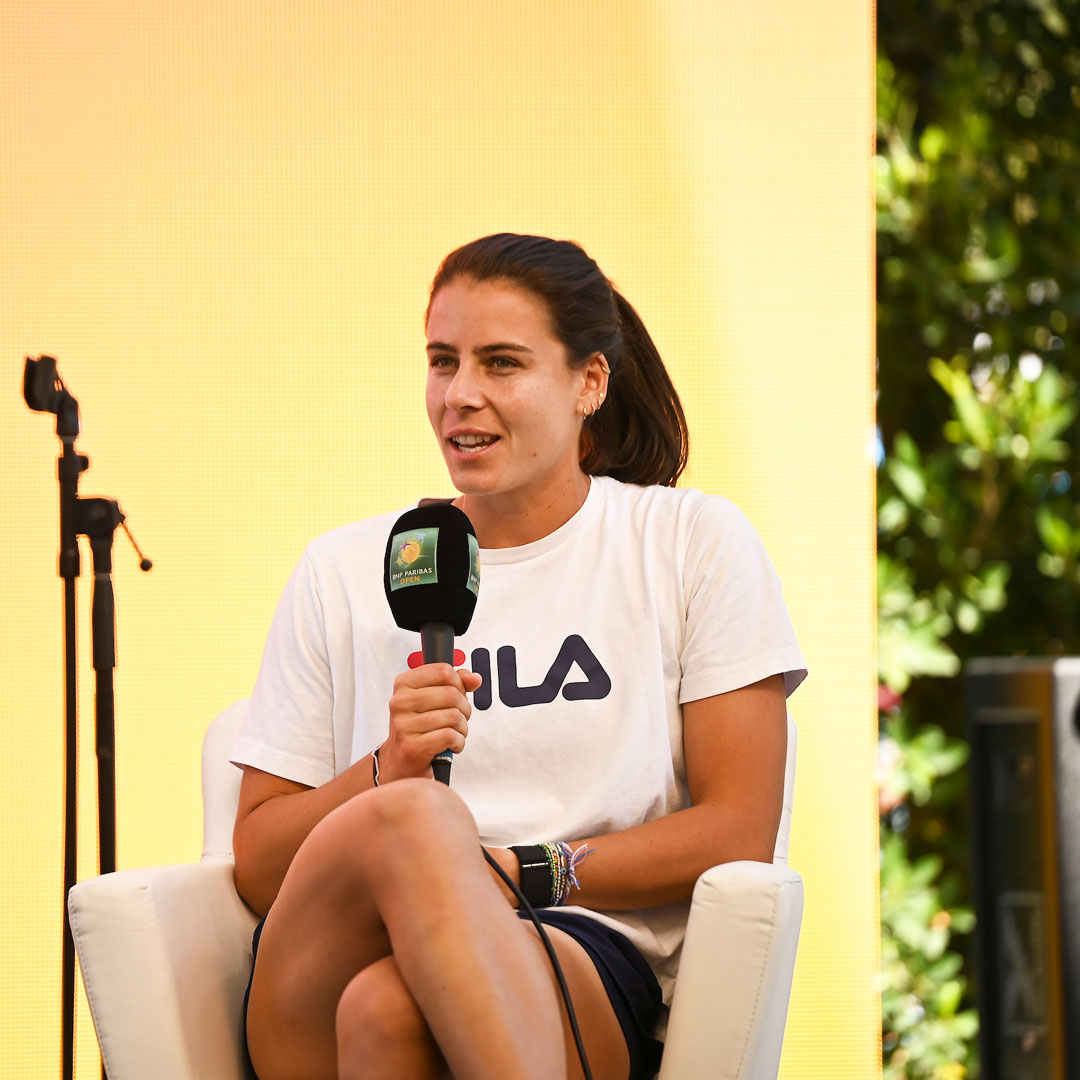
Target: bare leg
[
  {"x": 381, "y": 1033},
  {"x": 605, "y": 1044},
  {"x": 479, "y": 982},
  {"x": 400, "y": 870},
  {"x": 322, "y": 929}
]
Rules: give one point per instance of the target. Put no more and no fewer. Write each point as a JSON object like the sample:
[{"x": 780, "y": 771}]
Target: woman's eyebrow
[{"x": 501, "y": 346}]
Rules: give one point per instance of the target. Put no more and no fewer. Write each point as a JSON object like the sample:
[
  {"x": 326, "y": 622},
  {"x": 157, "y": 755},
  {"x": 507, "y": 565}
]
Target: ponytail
[{"x": 639, "y": 436}]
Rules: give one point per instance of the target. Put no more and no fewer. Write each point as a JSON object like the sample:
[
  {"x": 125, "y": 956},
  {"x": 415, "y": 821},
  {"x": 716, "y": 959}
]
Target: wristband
[{"x": 536, "y": 877}]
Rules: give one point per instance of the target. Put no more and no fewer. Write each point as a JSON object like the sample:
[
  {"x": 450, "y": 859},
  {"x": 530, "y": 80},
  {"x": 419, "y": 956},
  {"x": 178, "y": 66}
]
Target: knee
[
  {"x": 375, "y": 839},
  {"x": 401, "y": 814},
  {"x": 377, "y": 1018}
]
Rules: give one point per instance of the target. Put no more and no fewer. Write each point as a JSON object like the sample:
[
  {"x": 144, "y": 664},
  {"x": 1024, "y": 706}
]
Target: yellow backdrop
[{"x": 222, "y": 219}]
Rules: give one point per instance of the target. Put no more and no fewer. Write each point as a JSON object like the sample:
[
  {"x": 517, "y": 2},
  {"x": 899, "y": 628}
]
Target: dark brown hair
[{"x": 639, "y": 434}]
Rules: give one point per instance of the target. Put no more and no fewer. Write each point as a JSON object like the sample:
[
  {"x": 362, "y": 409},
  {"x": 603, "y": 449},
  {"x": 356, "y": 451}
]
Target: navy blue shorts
[{"x": 631, "y": 986}]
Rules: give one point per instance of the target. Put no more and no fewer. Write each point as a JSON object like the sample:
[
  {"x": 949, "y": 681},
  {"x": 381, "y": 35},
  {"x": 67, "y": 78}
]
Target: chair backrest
[
  {"x": 221, "y": 784},
  {"x": 220, "y": 781}
]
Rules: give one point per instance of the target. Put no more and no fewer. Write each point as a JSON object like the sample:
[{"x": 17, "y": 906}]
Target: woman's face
[{"x": 501, "y": 399}]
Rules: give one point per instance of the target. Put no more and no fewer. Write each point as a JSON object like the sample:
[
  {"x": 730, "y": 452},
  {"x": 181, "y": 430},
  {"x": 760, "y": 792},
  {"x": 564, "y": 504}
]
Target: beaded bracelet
[
  {"x": 557, "y": 865},
  {"x": 549, "y": 871}
]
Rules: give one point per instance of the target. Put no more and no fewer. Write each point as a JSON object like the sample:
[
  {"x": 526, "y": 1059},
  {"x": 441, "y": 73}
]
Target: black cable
[{"x": 527, "y": 907}]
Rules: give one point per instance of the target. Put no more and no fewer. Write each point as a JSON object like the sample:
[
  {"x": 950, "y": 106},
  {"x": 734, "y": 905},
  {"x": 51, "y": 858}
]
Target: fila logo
[{"x": 574, "y": 650}]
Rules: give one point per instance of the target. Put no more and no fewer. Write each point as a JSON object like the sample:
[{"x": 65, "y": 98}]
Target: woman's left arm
[{"x": 736, "y": 747}]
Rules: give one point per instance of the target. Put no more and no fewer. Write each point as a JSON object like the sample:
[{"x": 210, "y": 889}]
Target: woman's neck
[{"x": 512, "y": 519}]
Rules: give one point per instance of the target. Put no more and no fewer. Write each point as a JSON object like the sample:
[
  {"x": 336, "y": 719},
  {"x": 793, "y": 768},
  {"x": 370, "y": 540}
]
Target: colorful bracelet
[{"x": 549, "y": 872}]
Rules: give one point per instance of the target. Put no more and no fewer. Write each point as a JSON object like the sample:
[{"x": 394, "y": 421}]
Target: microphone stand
[
  {"x": 97, "y": 519},
  {"x": 70, "y": 466}
]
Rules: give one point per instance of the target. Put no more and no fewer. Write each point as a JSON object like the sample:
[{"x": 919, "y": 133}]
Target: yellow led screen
[{"x": 222, "y": 219}]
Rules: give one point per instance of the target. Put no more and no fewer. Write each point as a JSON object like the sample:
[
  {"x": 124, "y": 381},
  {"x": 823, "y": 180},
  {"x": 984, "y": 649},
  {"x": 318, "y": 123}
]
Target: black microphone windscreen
[{"x": 431, "y": 573}]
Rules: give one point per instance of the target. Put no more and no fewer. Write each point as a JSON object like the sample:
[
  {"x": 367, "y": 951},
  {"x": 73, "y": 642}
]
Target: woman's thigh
[
  {"x": 605, "y": 1044},
  {"x": 322, "y": 929}
]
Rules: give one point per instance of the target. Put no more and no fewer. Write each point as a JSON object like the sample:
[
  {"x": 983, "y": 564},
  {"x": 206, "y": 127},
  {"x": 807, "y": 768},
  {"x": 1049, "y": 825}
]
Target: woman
[{"x": 630, "y": 658}]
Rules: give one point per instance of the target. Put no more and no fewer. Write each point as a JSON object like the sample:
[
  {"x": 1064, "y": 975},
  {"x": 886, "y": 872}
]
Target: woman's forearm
[
  {"x": 659, "y": 862},
  {"x": 266, "y": 840},
  {"x": 735, "y": 747}
]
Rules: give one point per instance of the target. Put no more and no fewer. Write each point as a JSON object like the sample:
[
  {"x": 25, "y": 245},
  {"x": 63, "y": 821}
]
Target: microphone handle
[{"x": 437, "y": 645}]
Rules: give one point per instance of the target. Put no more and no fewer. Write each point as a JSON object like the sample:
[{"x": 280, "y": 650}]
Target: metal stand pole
[
  {"x": 44, "y": 391},
  {"x": 99, "y": 519},
  {"x": 70, "y": 466}
]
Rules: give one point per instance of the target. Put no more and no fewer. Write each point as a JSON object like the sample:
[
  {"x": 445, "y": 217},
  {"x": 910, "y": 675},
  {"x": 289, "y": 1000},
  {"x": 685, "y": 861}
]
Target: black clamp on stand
[{"x": 96, "y": 519}]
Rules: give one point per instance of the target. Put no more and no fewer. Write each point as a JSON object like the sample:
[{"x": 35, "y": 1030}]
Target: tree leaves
[{"x": 978, "y": 286}]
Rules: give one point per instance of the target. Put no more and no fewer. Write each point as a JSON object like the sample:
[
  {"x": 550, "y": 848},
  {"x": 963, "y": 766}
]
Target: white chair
[{"x": 166, "y": 954}]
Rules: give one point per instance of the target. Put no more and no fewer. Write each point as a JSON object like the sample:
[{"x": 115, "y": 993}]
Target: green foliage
[
  {"x": 926, "y": 1031},
  {"x": 978, "y": 217}
]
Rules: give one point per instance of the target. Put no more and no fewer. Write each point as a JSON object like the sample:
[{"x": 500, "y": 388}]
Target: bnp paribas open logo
[{"x": 412, "y": 559}]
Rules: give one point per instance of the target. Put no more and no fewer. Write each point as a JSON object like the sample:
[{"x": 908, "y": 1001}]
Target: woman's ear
[
  {"x": 596, "y": 376},
  {"x": 594, "y": 386}
]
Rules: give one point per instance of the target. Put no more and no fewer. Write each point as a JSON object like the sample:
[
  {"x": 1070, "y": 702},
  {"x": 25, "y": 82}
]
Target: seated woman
[{"x": 628, "y": 663}]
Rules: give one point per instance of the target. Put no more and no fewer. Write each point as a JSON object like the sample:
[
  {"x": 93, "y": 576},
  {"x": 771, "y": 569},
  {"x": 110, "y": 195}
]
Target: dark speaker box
[{"x": 1025, "y": 782}]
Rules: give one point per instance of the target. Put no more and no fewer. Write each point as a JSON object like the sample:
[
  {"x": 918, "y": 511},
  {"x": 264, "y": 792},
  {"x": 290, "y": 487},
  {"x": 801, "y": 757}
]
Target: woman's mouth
[{"x": 473, "y": 443}]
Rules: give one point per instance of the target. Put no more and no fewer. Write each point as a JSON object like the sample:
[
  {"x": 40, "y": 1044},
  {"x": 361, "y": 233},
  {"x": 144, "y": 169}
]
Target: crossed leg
[{"x": 391, "y": 952}]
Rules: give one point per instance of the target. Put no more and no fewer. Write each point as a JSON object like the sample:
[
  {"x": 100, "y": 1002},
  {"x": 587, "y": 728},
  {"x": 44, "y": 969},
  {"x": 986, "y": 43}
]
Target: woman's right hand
[{"x": 429, "y": 713}]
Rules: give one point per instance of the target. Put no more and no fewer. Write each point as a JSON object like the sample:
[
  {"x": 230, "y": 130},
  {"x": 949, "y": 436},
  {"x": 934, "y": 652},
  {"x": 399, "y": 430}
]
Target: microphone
[{"x": 431, "y": 576}]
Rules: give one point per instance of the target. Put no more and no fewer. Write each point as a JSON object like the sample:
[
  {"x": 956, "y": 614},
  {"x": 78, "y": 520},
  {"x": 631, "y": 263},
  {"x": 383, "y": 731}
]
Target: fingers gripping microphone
[{"x": 431, "y": 575}]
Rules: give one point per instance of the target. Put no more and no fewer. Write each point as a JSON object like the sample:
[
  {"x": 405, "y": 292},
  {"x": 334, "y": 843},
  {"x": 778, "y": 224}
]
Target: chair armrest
[
  {"x": 165, "y": 954},
  {"x": 731, "y": 996}
]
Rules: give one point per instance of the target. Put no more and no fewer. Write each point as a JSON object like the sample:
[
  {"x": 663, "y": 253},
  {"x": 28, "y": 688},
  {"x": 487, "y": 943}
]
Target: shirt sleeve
[
  {"x": 288, "y": 727},
  {"x": 737, "y": 626}
]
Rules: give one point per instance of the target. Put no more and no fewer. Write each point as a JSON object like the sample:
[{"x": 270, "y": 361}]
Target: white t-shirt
[{"x": 589, "y": 641}]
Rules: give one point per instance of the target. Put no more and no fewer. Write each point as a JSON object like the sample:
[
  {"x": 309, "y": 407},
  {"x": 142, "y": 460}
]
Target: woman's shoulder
[
  {"x": 357, "y": 540},
  {"x": 678, "y": 509}
]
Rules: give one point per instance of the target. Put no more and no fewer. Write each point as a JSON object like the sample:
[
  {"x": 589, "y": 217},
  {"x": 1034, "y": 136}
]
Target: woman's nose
[{"x": 464, "y": 389}]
